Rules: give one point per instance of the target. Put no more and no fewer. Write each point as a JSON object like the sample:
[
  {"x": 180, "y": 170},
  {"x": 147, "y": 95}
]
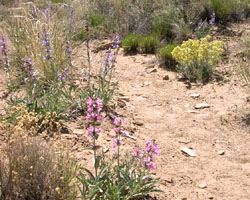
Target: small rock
[
  {"x": 188, "y": 152},
  {"x": 166, "y": 78},
  {"x": 105, "y": 150},
  {"x": 195, "y": 95},
  {"x": 150, "y": 67},
  {"x": 151, "y": 70},
  {"x": 147, "y": 83},
  {"x": 78, "y": 132},
  {"x": 121, "y": 104},
  {"x": 222, "y": 152},
  {"x": 184, "y": 141},
  {"x": 138, "y": 123},
  {"x": 132, "y": 137},
  {"x": 192, "y": 111},
  {"x": 123, "y": 98},
  {"x": 203, "y": 186},
  {"x": 203, "y": 115},
  {"x": 202, "y": 105},
  {"x": 173, "y": 116},
  {"x": 187, "y": 106}
]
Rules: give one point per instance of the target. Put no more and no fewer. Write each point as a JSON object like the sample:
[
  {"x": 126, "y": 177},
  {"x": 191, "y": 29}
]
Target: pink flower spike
[
  {"x": 114, "y": 142},
  {"x": 90, "y": 131},
  {"x": 115, "y": 152},
  {"x": 125, "y": 122},
  {"x": 90, "y": 101},
  {"x": 117, "y": 130},
  {"x": 124, "y": 133},
  {"x": 156, "y": 150},
  {"x": 100, "y": 117},
  {"x": 98, "y": 130},
  {"x": 117, "y": 121},
  {"x": 151, "y": 166}
]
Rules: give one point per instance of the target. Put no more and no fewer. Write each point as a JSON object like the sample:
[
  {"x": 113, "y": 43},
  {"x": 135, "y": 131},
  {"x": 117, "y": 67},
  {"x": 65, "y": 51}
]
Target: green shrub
[
  {"x": 131, "y": 42},
  {"x": 32, "y": 170},
  {"x": 161, "y": 25},
  {"x": 148, "y": 43},
  {"x": 223, "y": 9},
  {"x": 96, "y": 19},
  {"x": 165, "y": 56}
]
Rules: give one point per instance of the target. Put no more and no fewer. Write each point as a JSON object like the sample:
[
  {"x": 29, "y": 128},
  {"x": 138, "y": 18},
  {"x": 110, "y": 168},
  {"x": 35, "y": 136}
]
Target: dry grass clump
[
  {"x": 20, "y": 121},
  {"x": 32, "y": 170}
]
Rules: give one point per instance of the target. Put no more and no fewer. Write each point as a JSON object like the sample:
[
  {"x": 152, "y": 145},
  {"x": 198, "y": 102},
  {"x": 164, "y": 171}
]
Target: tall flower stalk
[
  {"x": 94, "y": 109},
  {"x": 4, "y": 57},
  {"x": 117, "y": 141}
]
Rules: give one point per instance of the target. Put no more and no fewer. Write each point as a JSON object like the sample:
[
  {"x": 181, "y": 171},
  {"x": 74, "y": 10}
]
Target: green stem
[{"x": 118, "y": 158}]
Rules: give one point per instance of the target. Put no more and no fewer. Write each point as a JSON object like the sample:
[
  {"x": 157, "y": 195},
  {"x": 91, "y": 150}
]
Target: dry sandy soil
[{"x": 163, "y": 110}]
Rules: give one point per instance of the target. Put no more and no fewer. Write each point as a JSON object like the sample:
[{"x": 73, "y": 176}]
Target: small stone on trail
[
  {"x": 187, "y": 106},
  {"x": 147, "y": 83},
  {"x": 192, "y": 111},
  {"x": 203, "y": 186},
  {"x": 138, "y": 123},
  {"x": 121, "y": 104},
  {"x": 78, "y": 132},
  {"x": 151, "y": 70},
  {"x": 166, "y": 78},
  {"x": 125, "y": 98},
  {"x": 105, "y": 150},
  {"x": 188, "y": 152},
  {"x": 222, "y": 152},
  {"x": 202, "y": 105},
  {"x": 130, "y": 136},
  {"x": 195, "y": 95},
  {"x": 184, "y": 141}
]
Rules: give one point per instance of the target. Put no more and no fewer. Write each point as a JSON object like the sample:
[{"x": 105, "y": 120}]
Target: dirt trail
[{"x": 164, "y": 110}]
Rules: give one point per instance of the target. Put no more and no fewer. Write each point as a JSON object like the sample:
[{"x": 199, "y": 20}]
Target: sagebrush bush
[
  {"x": 32, "y": 170},
  {"x": 131, "y": 42},
  {"x": 197, "y": 58},
  {"x": 165, "y": 56}
]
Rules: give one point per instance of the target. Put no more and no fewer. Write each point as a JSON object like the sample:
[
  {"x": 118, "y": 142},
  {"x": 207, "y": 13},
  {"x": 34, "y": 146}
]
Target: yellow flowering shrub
[{"x": 197, "y": 57}]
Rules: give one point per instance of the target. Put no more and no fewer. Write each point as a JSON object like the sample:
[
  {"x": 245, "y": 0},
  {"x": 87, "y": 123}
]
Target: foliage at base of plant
[
  {"x": 31, "y": 170},
  {"x": 131, "y": 42},
  {"x": 165, "y": 56},
  {"x": 197, "y": 58},
  {"x": 148, "y": 43}
]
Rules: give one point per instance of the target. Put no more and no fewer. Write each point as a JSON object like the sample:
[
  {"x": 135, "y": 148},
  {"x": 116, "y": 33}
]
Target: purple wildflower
[
  {"x": 116, "y": 42},
  {"x": 4, "y": 51},
  {"x": 212, "y": 20},
  {"x": 117, "y": 121},
  {"x": 46, "y": 44}
]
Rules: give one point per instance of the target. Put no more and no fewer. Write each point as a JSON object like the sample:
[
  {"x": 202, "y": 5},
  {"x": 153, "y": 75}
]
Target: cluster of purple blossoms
[
  {"x": 62, "y": 75},
  {"x": 109, "y": 61},
  {"x": 116, "y": 42},
  {"x": 46, "y": 44},
  {"x": 4, "y": 51},
  {"x": 147, "y": 156},
  {"x": 94, "y": 109},
  {"x": 212, "y": 20},
  {"x": 120, "y": 131},
  {"x": 48, "y": 10},
  {"x": 68, "y": 50},
  {"x": 30, "y": 70}
]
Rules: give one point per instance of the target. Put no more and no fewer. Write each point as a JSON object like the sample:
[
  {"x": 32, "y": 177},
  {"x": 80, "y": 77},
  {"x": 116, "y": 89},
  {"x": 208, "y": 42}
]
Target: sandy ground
[{"x": 163, "y": 110}]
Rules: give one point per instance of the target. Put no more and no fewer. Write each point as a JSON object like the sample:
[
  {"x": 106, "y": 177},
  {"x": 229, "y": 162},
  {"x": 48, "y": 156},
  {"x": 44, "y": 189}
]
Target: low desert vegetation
[{"x": 46, "y": 87}]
